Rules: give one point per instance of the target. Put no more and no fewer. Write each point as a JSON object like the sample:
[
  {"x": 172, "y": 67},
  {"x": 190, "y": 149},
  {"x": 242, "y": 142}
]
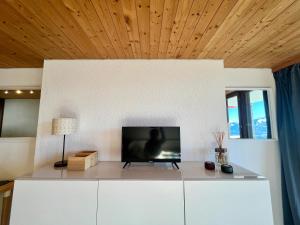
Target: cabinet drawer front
[
  {"x": 141, "y": 203},
  {"x": 228, "y": 202},
  {"x": 49, "y": 202}
]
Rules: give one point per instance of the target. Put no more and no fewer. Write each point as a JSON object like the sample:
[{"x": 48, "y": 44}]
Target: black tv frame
[{"x": 174, "y": 162}]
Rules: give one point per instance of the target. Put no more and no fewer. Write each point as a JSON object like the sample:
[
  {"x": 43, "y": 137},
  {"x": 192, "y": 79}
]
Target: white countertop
[{"x": 141, "y": 171}]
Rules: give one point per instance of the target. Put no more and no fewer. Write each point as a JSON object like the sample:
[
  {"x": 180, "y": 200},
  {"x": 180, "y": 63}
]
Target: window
[
  {"x": 248, "y": 114},
  {"x": 233, "y": 117},
  {"x": 19, "y": 112}
]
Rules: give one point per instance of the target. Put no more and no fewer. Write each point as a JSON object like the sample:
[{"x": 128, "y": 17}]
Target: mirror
[{"x": 248, "y": 114}]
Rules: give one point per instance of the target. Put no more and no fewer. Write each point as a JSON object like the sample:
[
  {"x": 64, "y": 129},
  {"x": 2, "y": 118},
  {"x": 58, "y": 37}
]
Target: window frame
[
  {"x": 269, "y": 107},
  {"x": 230, "y": 95}
]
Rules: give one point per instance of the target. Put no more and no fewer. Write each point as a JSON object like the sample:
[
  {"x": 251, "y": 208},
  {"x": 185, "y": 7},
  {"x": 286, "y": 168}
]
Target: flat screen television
[{"x": 151, "y": 144}]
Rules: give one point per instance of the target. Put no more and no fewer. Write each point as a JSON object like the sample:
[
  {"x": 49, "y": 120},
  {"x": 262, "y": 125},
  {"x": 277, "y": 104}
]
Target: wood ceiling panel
[
  {"x": 156, "y": 16},
  {"x": 47, "y": 28},
  {"x": 278, "y": 30},
  {"x": 289, "y": 61},
  {"x": 209, "y": 22},
  {"x": 274, "y": 52},
  {"x": 131, "y": 22},
  {"x": 169, "y": 14},
  {"x": 8, "y": 61},
  {"x": 116, "y": 12},
  {"x": 85, "y": 24},
  {"x": 13, "y": 52},
  {"x": 106, "y": 20},
  {"x": 245, "y": 33},
  {"x": 19, "y": 28},
  {"x": 254, "y": 19},
  {"x": 143, "y": 15},
  {"x": 259, "y": 26},
  {"x": 233, "y": 27},
  {"x": 55, "y": 12},
  {"x": 183, "y": 11},
  {"x": 291, "y": 54},
  {"x": 193, "y": 18}
]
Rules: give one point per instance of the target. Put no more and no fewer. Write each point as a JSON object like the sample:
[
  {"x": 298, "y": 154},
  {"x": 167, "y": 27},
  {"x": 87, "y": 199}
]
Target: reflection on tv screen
[{"x": 144, "y": 144}]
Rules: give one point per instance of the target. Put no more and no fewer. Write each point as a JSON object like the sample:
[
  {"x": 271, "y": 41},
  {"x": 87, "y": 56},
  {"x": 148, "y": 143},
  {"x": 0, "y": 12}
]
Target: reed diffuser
[{"x": 221, "y": 156}]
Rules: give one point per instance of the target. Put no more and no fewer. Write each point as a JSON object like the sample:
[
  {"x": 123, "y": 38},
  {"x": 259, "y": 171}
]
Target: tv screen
[{"x": 151, "y": 144}]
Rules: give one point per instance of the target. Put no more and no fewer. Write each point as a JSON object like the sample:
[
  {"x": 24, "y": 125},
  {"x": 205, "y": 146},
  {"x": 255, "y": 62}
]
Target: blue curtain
[{"x": 288, "y": 121}]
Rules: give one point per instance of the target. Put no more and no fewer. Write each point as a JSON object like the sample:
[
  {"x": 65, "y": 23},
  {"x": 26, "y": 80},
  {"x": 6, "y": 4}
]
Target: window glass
[
  {"x": 233, "y": 117},
  {"x": 248, "y": 114},
  {"x": 258, "y": 114}
]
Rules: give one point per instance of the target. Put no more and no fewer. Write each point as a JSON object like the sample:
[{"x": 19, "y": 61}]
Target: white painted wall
[
  {"x": 108, "y": 94},
  {"x": 17, "y": 154},
  {"x": 23, "y": 77},
  {"x": 16, "y": 157}
]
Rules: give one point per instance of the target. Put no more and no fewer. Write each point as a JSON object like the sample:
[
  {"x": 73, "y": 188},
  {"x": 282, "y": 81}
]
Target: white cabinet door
[
  {"x": 54, "y": 202},
  {"x": 228, "y": 202},
  {"x": 140, "y": 203}
]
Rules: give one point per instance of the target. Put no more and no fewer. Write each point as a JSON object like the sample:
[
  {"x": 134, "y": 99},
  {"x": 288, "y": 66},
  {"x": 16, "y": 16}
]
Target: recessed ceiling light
[
  {"x": 31, "y": 92},
  {"x": 19, "y": 92},
  {"x": 6, "y": 92}
]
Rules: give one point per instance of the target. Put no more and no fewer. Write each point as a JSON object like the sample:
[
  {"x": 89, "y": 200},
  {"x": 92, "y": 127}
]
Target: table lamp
[{"x": 63, "y": 126}]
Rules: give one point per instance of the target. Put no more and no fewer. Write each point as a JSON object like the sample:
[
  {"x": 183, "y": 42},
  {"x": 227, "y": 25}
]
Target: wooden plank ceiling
[{"x": 245, "y": 33}]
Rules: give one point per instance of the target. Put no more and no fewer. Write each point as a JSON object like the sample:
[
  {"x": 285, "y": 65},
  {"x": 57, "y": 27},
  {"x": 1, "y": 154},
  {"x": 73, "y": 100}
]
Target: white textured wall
[
  {"x": 22, "y": 77},
  {"x": 108, "y": 94},
  {"x": 16, "y": 157}
]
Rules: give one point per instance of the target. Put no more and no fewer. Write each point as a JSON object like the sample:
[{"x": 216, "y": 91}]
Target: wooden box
[{"x": 82, "y": 160}]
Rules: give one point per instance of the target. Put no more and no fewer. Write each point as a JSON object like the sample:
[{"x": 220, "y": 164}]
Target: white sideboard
[
  {"x": 143, "y": 195},
  {"x": 140, "y": 202},
  {"x": 231, "y": 202},
  {"x": 50, "y": 202}
]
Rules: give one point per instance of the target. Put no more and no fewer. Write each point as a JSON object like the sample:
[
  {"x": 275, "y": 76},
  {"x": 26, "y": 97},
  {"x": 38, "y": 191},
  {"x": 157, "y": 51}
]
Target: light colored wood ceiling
[{"x": 245, "y": 33}]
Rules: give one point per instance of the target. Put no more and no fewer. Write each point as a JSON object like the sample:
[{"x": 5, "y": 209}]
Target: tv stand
[
  {"x": 126, "y": 163},
  {"x": 175, "y": 164}
]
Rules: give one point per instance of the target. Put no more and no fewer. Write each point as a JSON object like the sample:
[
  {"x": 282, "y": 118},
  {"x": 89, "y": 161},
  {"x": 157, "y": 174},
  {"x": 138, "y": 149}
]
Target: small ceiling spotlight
[
  {"x": 19, "y": 92},
  {"x": 6, "y": 92},
  {"x": 31, "y": 92}
]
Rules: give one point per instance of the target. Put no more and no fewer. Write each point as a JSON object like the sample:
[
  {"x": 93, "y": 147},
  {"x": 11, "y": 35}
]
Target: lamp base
[{"x": 60, "y": 164}]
